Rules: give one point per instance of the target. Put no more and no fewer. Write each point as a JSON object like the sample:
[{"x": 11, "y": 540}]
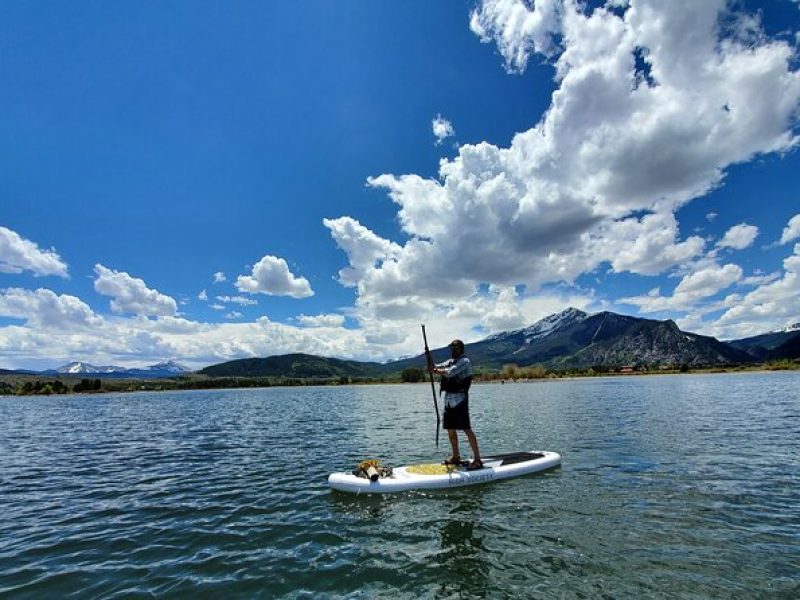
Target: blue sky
[{"x": 203, "y": 181}]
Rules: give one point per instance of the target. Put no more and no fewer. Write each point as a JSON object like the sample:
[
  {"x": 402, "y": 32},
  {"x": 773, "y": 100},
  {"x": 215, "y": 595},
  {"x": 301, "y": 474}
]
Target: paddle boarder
[{"x": 456, "y": 374}]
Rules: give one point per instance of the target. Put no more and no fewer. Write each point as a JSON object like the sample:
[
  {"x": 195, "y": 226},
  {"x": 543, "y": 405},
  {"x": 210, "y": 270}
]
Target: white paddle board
[{"x": 437, "y": 476}]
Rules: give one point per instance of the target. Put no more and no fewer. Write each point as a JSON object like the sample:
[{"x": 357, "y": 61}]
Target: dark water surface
[{"x": 672, "y": 486}]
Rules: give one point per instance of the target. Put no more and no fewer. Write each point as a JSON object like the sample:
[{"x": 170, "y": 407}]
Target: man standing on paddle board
[{"x": 456, "y": 376}]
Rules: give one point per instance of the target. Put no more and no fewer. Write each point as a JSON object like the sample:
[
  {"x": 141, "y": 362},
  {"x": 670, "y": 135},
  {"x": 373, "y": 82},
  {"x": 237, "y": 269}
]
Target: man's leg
[
  {"x": 452, "y": 434},
  {"x": 473, "y": 443}
]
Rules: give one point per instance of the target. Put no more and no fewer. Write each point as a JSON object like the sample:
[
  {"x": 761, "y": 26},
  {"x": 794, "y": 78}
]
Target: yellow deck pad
[{"x": 430, "y": 469}]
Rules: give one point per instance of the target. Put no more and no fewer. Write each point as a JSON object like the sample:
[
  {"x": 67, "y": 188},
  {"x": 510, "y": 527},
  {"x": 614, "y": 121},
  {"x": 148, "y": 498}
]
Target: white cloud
[
  {"x": 766, "y": 308},
  {"x": 364, "y": 249},
  {"x": 500, "y": 308},
  {"x": 442, "y": 129},
  {"x": 131, "y": 295},
  {"x": 518, "y": 30},
  {"x": 711, "y": 216},
  {"x": 792, "y": 231},
  {"x": 327, "y": 320},
  {"x": 759, "y": 278},
  {"x": 240, "y": 300},
  {"x": 647, "y": 246},
  {"x": 219, "y": 277},
  {"x": 203, "y": 295},
  {"x": 651, "y": 107},
  {"x": 18, "y": 255},
  {"x": 705, "y": 282},
  {"x": 63, "y": 328},
  {"x": 71, "y": 331},
  {"x": 739, "y": 237},
  {"x": 235, "y": 314},
  {"x": 271, "y": 276},
  {"x": 45, "y": 309}
]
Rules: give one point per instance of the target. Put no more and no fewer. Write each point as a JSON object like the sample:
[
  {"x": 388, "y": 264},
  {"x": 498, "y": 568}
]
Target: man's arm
[{"x": 453, "y": 368}]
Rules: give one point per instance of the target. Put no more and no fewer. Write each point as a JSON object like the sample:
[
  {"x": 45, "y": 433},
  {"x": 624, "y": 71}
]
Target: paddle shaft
[{"x": 429, "y": 358}]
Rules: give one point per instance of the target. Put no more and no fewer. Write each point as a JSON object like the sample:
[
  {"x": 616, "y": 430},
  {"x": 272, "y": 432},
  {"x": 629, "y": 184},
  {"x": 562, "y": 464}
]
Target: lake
[{"x": 682, "y": 486}]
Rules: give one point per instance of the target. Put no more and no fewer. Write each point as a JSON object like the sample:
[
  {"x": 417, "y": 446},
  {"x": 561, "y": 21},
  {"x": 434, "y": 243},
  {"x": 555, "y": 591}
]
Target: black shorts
[{"x": 458, "y": 416}]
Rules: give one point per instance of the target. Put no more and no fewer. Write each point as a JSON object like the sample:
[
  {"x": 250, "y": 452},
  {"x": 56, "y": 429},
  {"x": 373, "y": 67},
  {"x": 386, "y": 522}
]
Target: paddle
[{"x": 429, "y": 358}]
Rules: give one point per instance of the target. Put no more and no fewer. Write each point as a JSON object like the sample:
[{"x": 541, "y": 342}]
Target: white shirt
[{"x": 460, "y": 368}]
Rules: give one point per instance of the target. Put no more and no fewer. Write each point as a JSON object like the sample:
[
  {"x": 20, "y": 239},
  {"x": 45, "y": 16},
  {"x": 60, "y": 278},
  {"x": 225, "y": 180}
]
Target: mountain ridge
[
  {"x": 575, "y": 339},
  {"x": 570, "y": 339},
  {"x": 169, "y": 368},
  {"x": 297, "y": 365}
]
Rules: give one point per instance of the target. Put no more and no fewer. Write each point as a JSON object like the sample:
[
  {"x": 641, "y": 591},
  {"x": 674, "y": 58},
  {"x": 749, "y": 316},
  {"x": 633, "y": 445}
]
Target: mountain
[
  {"x": 169, "y": 366},
  {"x": 569, "y": 339},
  {"x": 16, "y": 372},
  {"x": 788, "y": 349},
  {"x": 575, "y": 339},
  {"x": 80, "y": 368},
  {"x": 566, "y": 340},
  {"x": 165, "y": 369},
  {"x": 772, "y": 345},
  {"x": 304, "y": 366}
]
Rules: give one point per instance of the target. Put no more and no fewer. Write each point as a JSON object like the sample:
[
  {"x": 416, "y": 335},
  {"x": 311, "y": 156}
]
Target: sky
[{"x": 205, "y": 181}]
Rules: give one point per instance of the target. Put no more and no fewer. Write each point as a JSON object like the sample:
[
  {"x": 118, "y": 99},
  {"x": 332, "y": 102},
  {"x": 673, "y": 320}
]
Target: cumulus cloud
[
  {"x": 654, "y": 100},
  {"x": 326, "y": 320},
  {"x": 44, "y": 308},
  {"x": 519, "y": 29},
  {"x": 131, "y": 295},
  {"x": 18, "y": 255},
  {"x": 500, "y": 309},
  {"x": 219, "y": 277},
  {"x": 61, "y": 328},
  {"x": 768, "y": 307},
  {"x": 240, "y": 300},
  {"x": 792, "y": 231},
  {"x": 739, "y": 236},
  {"x": 759, "y": 278},
  {"x": 442, "y": 129},
  {"x": 702, "y": 283},
  {"x": 647, "y": 246},
  {"x": 365, "y": 250},
  {"x": 271, "y": 276},
  {"x": 203, "y": 295}
]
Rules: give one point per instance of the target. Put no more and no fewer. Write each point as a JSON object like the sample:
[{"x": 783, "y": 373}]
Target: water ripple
[{"x": 670, "y": 487}]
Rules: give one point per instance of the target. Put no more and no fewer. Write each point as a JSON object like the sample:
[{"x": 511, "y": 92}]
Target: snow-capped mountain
[
  {"x": 552, "y": 323},
  {"x": 573, "y": 338},
  {"x": 782, "y": 343},
  {"x": 77, "y": 368},
  {"x": 543, "y": 327},
  {"x": 168, "y": 368}
]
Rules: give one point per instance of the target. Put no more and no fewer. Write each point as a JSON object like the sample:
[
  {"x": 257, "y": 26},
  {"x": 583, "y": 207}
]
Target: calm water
[{"x": 673, "y": 486}]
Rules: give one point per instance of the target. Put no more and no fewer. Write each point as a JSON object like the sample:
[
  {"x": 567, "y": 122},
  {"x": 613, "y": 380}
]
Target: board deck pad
[
  {"x": 488, "y": 461},
  {"x": 438, "y": 475}
]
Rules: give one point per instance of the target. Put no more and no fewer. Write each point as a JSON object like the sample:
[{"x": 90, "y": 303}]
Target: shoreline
[{"x": 126, "y": 386}]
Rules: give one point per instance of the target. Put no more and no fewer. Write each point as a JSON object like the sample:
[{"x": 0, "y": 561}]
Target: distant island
[{"x": 568, "y": 344}]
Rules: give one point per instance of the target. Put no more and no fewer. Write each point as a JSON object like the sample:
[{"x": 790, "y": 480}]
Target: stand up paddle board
[{"x": 436, "y": 476}]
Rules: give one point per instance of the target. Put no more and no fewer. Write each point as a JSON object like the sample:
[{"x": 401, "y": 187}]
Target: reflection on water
[{"x": 463, "y": 560}]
